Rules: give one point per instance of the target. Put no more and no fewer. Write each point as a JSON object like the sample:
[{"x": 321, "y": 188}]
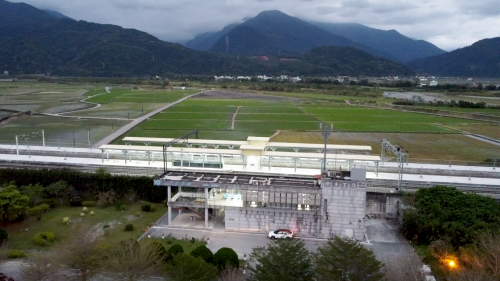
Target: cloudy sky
[{"x": 449, "y": 24}]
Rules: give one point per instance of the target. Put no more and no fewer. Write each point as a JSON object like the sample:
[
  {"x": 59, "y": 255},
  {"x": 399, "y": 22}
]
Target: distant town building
[
  {"x": 6, "y": 72},
  {"x": 264, "y": 78},
  {"x": 223, "y": 78},
  {"x": 433, "y": 83},
  {"x": 243, "y": 78}
]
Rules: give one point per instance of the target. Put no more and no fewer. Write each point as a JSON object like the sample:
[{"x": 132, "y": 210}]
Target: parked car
[{"x": 281, "y": 233}]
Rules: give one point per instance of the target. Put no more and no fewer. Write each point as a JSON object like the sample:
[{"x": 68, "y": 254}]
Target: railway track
[{"x": 373, "y": 184}]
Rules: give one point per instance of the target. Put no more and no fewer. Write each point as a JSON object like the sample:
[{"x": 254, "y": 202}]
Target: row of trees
[
  {"x": 85, "y": 258},
  {"x": 339, "y": 259},
  {"x": 35, "y": 199},
  {"x": 88, "y": 184}
]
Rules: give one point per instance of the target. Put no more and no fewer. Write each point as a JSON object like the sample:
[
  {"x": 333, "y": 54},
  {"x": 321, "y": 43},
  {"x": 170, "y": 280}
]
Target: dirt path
[{"x": 234, "y": 117}]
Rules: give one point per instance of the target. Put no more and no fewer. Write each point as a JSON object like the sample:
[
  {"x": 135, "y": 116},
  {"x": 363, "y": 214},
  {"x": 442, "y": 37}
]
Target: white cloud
[{"x": 445, "y": 23}]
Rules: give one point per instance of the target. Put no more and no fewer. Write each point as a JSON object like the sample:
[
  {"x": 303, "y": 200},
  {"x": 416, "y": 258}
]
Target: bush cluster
[
  {"x": 87, "y": 183},
  {"x": 147, "y": 207},
  {"x": 89, "y": 203},
  {"x": 203, "y": 252},
  {"x": 51, "y": 202},
  {"x": 172, "y": 251},
  {"x": 226, "y": 256},
  {"x": 44, "y": 238},
  {"x": 16, "y": 254},
  {"x": 120, "y": 206},
  {"x": 129, "y": 227},
  {"x": 76, "y": 202}
]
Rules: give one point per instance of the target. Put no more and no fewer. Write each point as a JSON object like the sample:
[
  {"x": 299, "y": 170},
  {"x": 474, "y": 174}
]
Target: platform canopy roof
[
  {"x": 190, "y": 141},
  {"x": 159, "y": 149},
  {"x": 250, "y": 141},
  {"x": 257, "y": 145},
  {"x": 352, "y": 157}
]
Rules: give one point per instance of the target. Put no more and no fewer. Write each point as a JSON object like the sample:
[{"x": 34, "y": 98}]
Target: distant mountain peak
[{"x": 290, "y": 35}]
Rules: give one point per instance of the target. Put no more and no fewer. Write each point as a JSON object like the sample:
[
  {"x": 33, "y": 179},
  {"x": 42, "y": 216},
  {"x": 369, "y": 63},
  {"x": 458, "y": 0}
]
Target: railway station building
[{"x": 259, "y": 186}]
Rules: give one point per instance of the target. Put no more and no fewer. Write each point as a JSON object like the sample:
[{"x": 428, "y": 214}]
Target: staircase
[{"x": 199, "y": 211}]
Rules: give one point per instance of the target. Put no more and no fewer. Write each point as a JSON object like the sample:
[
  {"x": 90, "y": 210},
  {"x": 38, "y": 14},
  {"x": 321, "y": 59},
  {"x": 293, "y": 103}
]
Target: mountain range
[
  {"x": 35, "y": 41},
  {"x": 276, "y": 33},
  {"x": 481, "y": 59}
]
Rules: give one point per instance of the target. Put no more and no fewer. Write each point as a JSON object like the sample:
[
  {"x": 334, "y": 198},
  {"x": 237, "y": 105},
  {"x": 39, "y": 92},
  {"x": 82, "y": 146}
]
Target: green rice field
[
  {"x": 102, "y": 113},
  {"x": 289, "y": 117}
]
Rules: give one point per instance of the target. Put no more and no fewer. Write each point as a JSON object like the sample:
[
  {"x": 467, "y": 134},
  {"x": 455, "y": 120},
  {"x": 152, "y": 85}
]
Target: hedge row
[{"x": 87, "y": 182}]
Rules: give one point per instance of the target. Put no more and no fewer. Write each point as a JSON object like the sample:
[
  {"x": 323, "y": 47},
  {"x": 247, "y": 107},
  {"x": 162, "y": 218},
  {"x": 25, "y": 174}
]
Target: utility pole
[
  {"x": 17, "y": 145},
  {"x": 74, "y": 142},
  {"x": 326, "y": 131},
  {"x": 88, "y": 134}
]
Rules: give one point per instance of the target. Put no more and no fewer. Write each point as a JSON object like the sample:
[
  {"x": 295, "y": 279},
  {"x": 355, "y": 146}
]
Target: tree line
[{"x": 462, "y": 229}]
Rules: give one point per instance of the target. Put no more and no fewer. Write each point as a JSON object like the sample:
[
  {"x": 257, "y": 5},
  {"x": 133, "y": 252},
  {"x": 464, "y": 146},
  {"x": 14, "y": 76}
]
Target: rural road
[{"x": 137, "y": 121}]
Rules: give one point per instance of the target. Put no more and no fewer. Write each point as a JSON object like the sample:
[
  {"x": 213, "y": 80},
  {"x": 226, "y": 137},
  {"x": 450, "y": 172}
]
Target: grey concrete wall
[
  {"x": 344, "y": 211},
  {"x": 266, "y": 219},
  {"x": 341, "y": 213},
  {"x": 382, "y": 205}
]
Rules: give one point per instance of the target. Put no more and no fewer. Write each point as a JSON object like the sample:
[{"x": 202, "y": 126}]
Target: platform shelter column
[
  {"x": 206, "y": 207},
  {"x": 169, "y": 197}
]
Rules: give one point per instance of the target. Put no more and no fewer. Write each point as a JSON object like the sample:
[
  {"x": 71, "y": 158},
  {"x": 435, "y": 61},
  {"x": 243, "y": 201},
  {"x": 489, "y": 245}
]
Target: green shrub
[
  {"x": 50, "y": 202},
  {"x": 89, "y": 203},
  {"x": 65, "y": 220},
  {"x": 226, "y": 256},
  {"x": 129, "y": 227},
  {"x": 4, "y": 236},
  {"x": 152, "y": 208},
  {"x": 76, "y": 202},
  {"x": 120, "y": 206},
  {"x": 146, "y": 207},
  {"x": 16, "y": 254},
  {"x": 169, "y": 242},
  {"x": 159, "y": 248},
  {"x": 172, "y": 251},
  {"x": 85, "y": 209},
  {"x": 44, "y": 238},
  {"x": 203, "y": 252}
]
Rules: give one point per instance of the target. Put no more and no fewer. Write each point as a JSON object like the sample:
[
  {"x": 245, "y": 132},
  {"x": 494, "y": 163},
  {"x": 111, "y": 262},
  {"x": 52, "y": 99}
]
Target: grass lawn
[{"x": 21, "y": 234}]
